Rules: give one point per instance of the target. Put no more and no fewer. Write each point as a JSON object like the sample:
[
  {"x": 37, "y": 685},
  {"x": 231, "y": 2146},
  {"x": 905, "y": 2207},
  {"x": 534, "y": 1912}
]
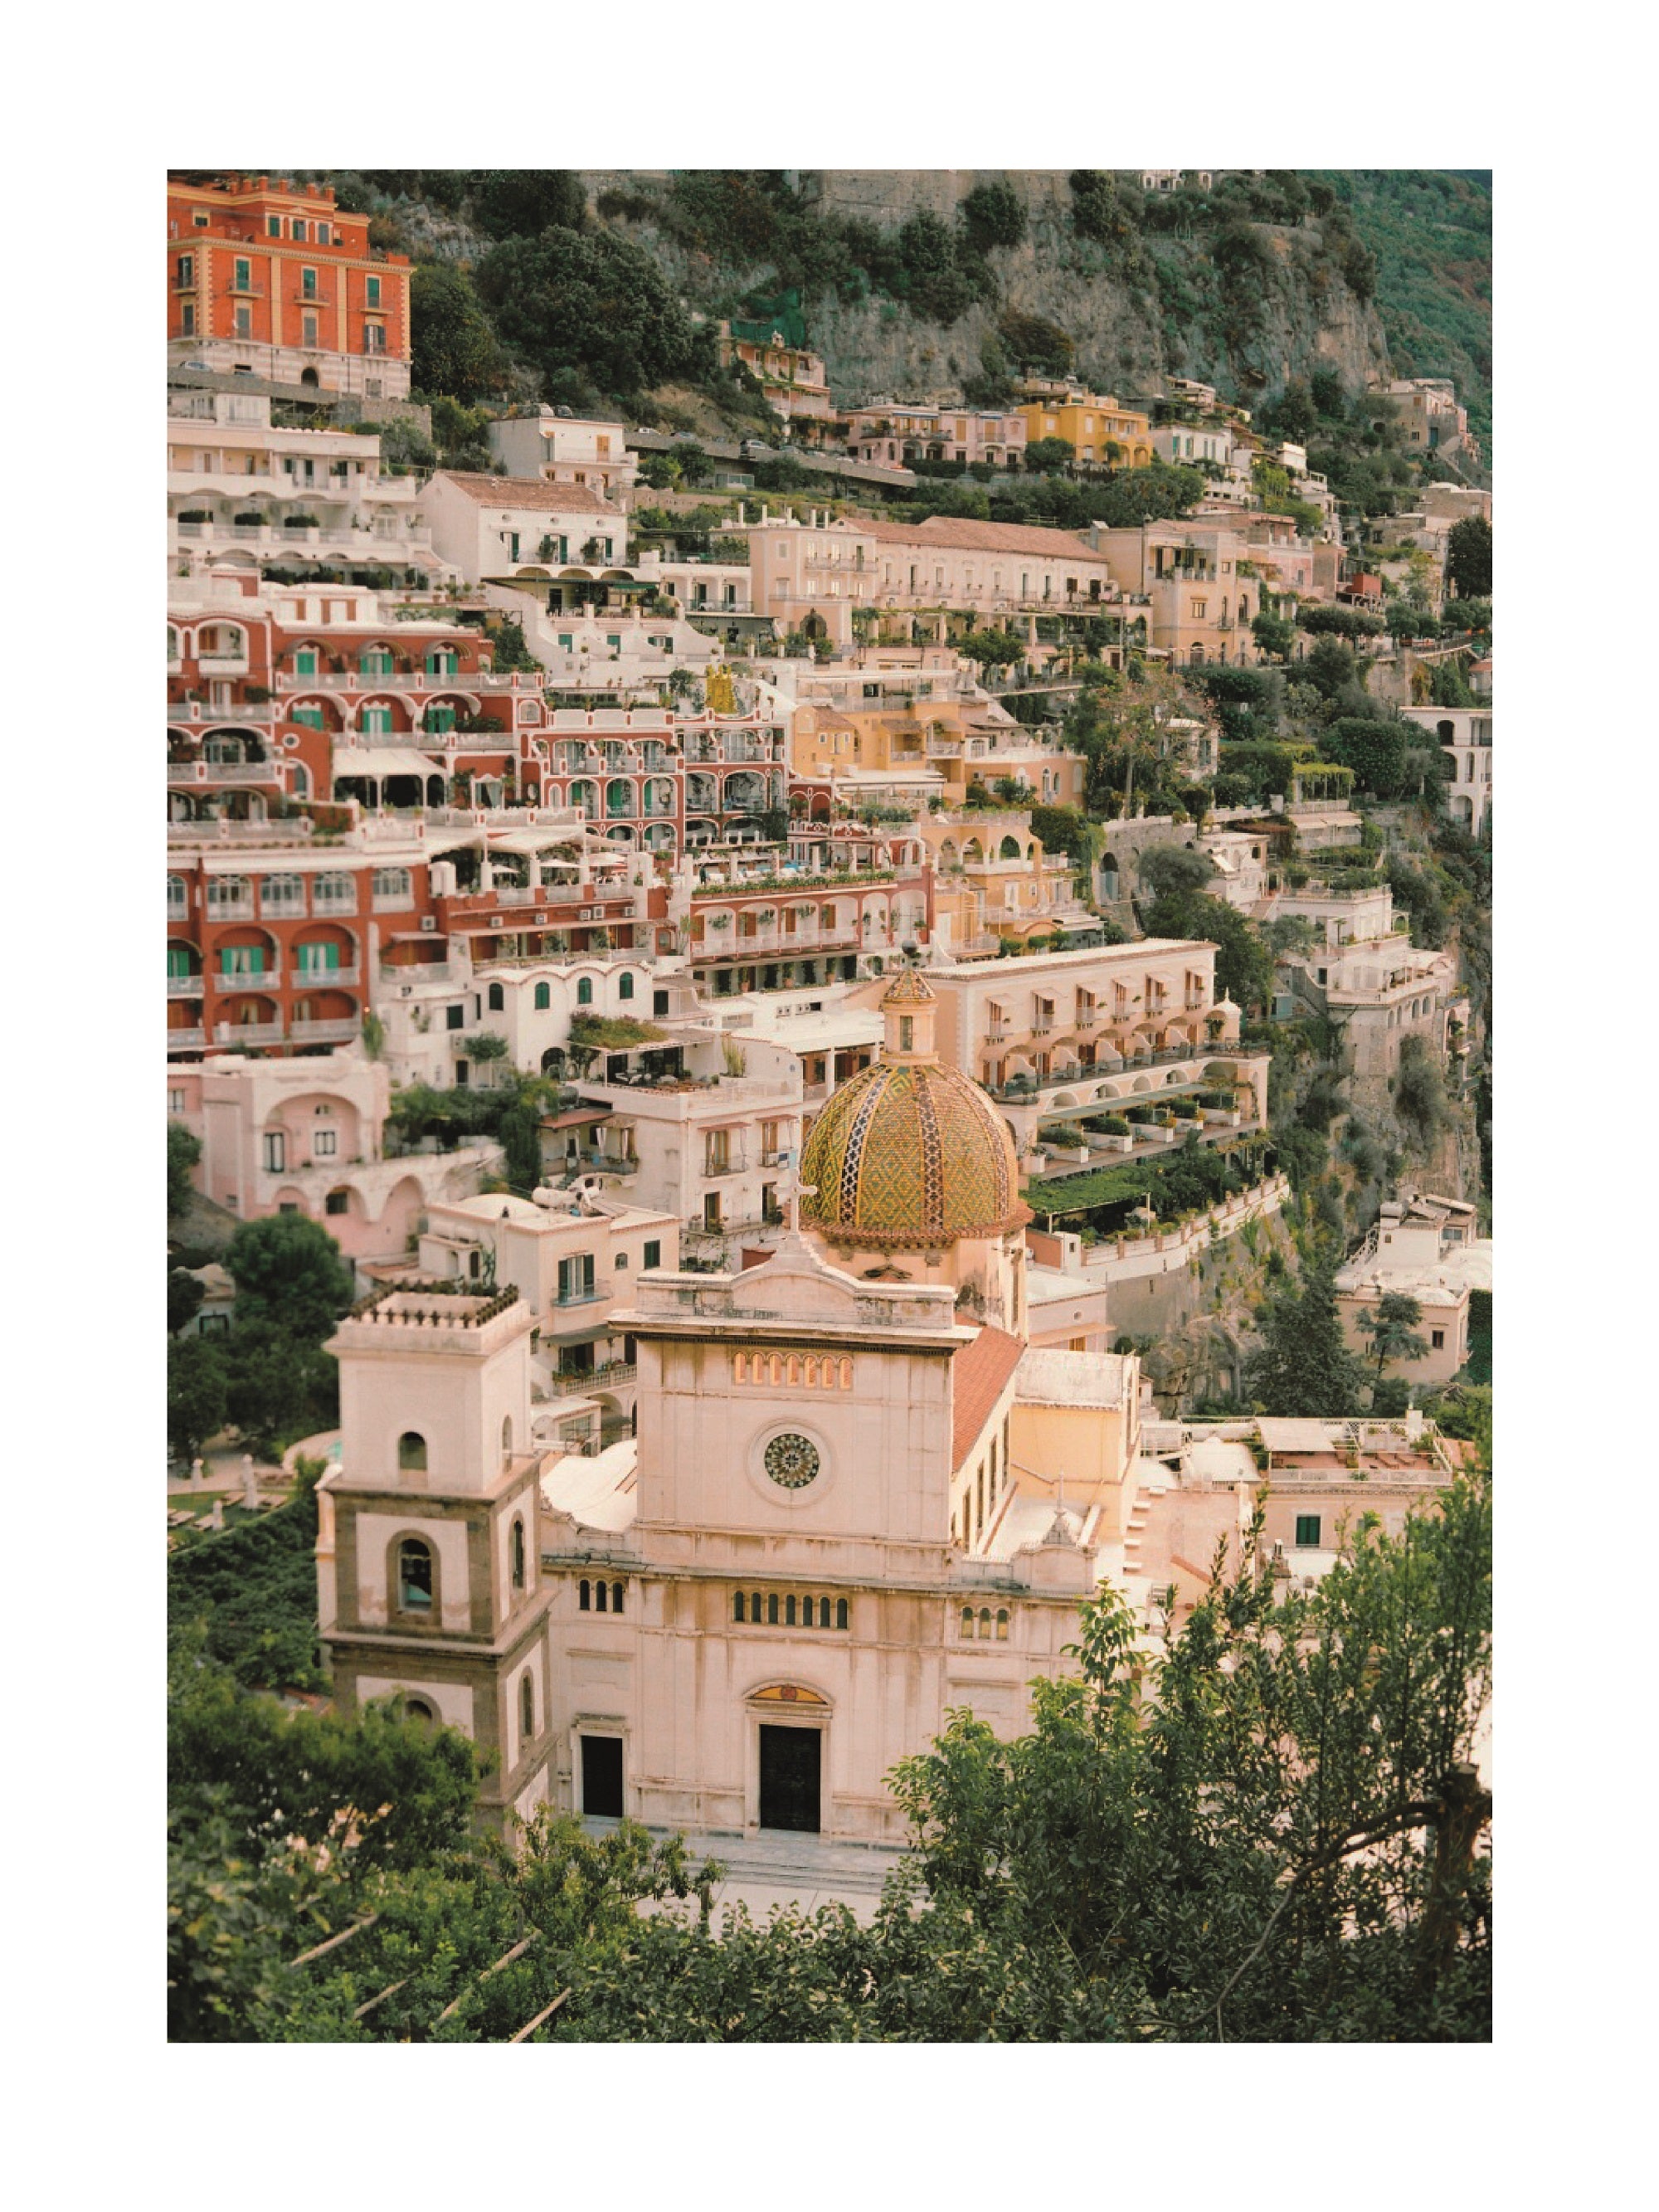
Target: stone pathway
[{"x": 775, "y": 1869}]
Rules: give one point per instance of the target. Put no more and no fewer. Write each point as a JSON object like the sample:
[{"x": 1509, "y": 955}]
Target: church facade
[{"x": 827, "y": 1533}]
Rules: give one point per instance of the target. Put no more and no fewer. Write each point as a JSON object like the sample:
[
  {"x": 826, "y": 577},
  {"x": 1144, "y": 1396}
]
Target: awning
[
  {"x": 576, "y": 1117},
  {"x": 384, "y": 761}
]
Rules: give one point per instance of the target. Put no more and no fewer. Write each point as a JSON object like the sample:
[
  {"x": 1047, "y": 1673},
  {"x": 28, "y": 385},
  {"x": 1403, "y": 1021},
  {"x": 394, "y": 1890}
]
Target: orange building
[{"x": 268, "y": 280}]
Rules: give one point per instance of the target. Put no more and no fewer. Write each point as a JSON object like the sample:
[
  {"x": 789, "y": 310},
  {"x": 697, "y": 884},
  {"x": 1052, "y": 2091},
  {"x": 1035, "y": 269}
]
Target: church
[{"x": 856, "y": 1499}]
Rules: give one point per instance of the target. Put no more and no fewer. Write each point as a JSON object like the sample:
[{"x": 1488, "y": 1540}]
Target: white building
[
  {"x": 501, "y": 526},
  {"x": 1464, "y": 736},
  {"x": 559, "y": 448}
]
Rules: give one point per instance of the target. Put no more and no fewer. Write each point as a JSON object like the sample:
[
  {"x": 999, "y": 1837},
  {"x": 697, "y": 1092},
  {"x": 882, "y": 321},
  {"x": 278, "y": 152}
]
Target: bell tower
[{"x": 428, "y": 1539}]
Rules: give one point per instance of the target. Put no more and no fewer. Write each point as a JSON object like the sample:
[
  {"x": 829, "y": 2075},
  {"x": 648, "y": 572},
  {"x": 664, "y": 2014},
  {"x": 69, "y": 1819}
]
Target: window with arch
[
  {"x": 584, "y": 990},
  {"x": 985, "y": 1621},
  {"x": 601, "y": 1597},
  {"x": 507, "y": 1438},
  {"x": 738, "y": 1606},
  {"x": 543, "y": 997},
  {"x": 526, "y": 1705},
  {"x": 411, "y": 1451},
  {"x": 584, "y": 1595},
  {"x": 1002, "y": 1624},
  {"x": 625, "y": 987},
  {"x": 841, "y": 1612},
  {"x": 497, "y": 999},
  {"x": 789, "y": 1610},
  {"x": 966, "y": 1621},
  {"x": 771, "y": 1609},
  {"x": 417, "y": 1708},
  {"x": 415, "y": 1576},
  {"x": 616, "y": 1597},
  {"x": 517, "y": 1555}
]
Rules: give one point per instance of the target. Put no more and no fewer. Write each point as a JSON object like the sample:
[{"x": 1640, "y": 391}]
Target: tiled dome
[{"x": 909, "y": 1155}]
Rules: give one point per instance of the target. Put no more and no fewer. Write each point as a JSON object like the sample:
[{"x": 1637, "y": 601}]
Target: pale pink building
[{"x": 893, "y": 433}]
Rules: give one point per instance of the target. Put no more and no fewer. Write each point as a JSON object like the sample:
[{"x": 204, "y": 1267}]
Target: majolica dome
[{"x": 909, "y": 1155}]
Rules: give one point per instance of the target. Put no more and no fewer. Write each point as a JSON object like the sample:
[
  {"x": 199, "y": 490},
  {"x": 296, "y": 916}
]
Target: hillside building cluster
[{"x": 700, "y": 1477}]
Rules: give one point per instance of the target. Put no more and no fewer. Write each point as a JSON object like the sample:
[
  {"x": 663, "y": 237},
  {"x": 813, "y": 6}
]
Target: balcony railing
[
  {"x": 340, "y": 1030},
  {"x": 181, "y": 773},
  {"x": 245, "y": 979},
  {"x": 229, "y": 909},
  {"x": 612, "y": 1375},
  {"x": 187, "y": 1040},
  {"x": 229, "y": 1033},
  {"x": 185, "y": 987}
]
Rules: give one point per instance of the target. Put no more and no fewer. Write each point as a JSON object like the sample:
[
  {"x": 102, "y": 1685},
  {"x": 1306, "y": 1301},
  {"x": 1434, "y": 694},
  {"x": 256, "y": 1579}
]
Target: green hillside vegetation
[{"x": 1429, "y": 231}]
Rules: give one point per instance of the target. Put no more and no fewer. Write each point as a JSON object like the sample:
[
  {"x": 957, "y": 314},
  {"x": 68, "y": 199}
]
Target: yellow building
[{"x": 1089, "y": 422}]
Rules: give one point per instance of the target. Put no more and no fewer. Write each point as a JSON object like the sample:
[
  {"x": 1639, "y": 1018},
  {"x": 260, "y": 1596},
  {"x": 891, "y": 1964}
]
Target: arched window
[
  {"x": 774, "y": 1368},
  {"x": 411, "y": 1451},
  {"x": 966, "y": 1621},
  {"x": 518, "y": 1554},
  {"x": 625, "y": 988},
  {"x": 772, "y": 1610},
  {"x": 846, "y": 1374},
  {"x": 507, "y": 1438},
  {"x": 616, "y": 1597},
  {"x": 1002, "y": 1625},
  {"x": 1010, "y": 849},
  {"x": 793, "y": 1368},
  {"x": 416, "y": 1709},
  {"x": 413, "y": 1576},
  {"x": 526, "y": 1706},
  {"x": 584, "y": 1596},
  {"x": 755, "y": 1608},
  {"x": 812, "y": 1374},
  {"x": 497, "y": 999},
  {"x": 824, "y": 1613},
  {"x": 740, "y": 1367},
  {"x": 584, "y": 990},
  {"x": 985, "y": 1622},
  {"x": 737, "y": 1606},
  {"x": 841, "y": 1612},
  {"x": 789, "y": 1610},
  {"x": 543, "y": 997},
  {"x": 602, "y": 1600}
]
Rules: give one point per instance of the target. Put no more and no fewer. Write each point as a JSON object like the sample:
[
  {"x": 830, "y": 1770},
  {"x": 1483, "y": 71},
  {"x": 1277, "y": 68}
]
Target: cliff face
[{"x": 1160, "y": 308}]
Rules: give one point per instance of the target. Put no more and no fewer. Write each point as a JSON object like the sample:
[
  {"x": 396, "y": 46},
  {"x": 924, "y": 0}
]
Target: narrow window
[
  {"x": 1002, "y": 1625},
  {"x": 584, "y": 991},
  {"x": 755, "y": 1608},
  {"x": 812, "y": 1374},
  {"x": 497, "y": 999},
  {"x": 584, "y": 1597},
  {"x": 616, "y": 1597},
  {"x": 1437, "y": 1339},
  {"x": 413, "y": 1576},
  {"x": 789, "y": 1610},
  {"x": 985, "y": 1621},
  {"x": 544, "y": 997},
  {"x": 966, "y": 1621},
  {"x": 740, "y": 1367},
  {"x": 772, "y": 1610},
  {"x": 507, "y": 1439},
  {"x": 526, "y": 1707},
  {"x": 737, "y": 1606},
  {"x": 653, "y": 1257},
  {"x": 517, "y": 1555},
  {"x": 841, "y": 1612},
  {"x": 846, "y": 1374},
  {"x": 603, "y": 1598},
  {"x": 625, "y": 987}
]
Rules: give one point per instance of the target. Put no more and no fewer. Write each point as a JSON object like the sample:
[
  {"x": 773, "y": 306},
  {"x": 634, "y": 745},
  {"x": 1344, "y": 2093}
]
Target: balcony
[
  {"x": 186, "y": 987},
  {"x": 590, "y": 1295},
  {"x": 326, "y": 979},
  {"x": 231, "y": 1033},
  {"x": 181, "y": 773},
  {"x": 229, "y": 909},
  {"x": 610, "y": 1375},
  {"x": 247, "y": 979},
  {"x": 341, "y": 1031},
  {"x": 187, "y": 1040}
]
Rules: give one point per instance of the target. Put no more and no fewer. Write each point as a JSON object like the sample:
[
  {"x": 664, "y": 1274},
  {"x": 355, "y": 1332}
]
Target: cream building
[
  {"x": 1424, "y": 1248},
  {"x": 856, "y": 1502}
]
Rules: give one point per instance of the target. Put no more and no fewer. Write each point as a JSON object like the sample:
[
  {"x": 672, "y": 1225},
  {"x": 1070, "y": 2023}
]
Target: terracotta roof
[
  {"x": 528, "y": 491},
  {"x": 949, "y": 530},
  {"x": 979, "y": 1375}
]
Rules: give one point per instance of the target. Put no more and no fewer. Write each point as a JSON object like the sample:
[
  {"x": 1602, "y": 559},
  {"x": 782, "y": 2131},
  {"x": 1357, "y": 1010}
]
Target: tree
[
  {"x": 453, "y": 347},
  {"x": 1469, "y": 558},
  {"x": 182, "y": 1153},
  {"x": 1173, "y": 870},
  {"x": 1049, "y": 456},
  {"x": 1304, "y": 1368},
  {"x": 1377, "y": 750},
  {"x": 198, "y": 1388},
  {"x": 1036, "y": 344},
  {"x": 992, "y": 648},
  {"x": 185, "y": 1296},
  {"x": 288, "y": 1276},
  {"x": 596, "y": 303},
  {"x": 1274, "y": 636},
  {"x": 1391, "y": 1327},
  {"x": 1330, "y": 667},
  {"x": 520, "y": 202},
  {"x": 279, "y": 1386},
  {"x": 993, "y": 215}
]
